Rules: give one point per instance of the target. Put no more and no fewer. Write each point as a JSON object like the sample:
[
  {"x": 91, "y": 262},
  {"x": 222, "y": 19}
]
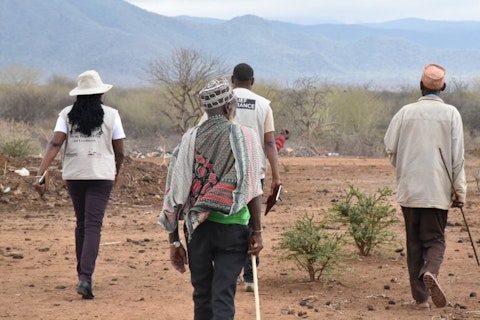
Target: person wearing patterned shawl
[{"x": 213, "y": 185}]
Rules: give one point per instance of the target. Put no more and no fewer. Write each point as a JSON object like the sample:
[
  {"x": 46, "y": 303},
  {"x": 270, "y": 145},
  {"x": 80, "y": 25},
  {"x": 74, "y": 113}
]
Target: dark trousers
[
  {"x": 425, "y": 230},
  {"x": 216, "y": 254},
  {"x": 90, "y": 199},
  {"x": 247, "y": 267}
]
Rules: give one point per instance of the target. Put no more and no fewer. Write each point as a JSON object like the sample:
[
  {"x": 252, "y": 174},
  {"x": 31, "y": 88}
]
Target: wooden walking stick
[
  {"x": 255, "y": 287},
  {"x": 461, "y": 208}
]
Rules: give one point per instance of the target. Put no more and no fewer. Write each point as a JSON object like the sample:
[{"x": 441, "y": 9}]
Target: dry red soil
[{"x": 134, "y": 279}]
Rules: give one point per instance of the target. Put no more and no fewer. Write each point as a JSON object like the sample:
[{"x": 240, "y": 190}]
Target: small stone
[
  {"x": 386, "y": 287},
  {"x": 392, "y": 302},
  {"x": 473, "y": 294},
  {"x": 370, "y": 307}
]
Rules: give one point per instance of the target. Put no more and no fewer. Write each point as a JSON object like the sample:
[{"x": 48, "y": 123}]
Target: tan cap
[{"x": 433, "y": 76}]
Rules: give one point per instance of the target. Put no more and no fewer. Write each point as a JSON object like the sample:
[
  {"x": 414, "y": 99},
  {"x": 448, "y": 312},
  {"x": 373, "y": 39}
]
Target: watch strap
[{"x": 176, "y": 244}]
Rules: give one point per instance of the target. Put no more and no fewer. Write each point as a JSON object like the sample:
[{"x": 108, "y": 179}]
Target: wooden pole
[{"x": 255, "y": 287}]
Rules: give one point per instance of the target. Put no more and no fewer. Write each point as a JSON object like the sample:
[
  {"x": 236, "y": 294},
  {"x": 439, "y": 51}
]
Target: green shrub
[
  {"x": 313, "y": 249},
  {"x": 286, "y": 167},
  {"x": 18, "y": 148},
  {"x": 368, "y": 216}
]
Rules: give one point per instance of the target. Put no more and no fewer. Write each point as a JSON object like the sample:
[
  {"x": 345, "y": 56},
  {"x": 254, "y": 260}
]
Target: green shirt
[{"x": 241, "y": 217}]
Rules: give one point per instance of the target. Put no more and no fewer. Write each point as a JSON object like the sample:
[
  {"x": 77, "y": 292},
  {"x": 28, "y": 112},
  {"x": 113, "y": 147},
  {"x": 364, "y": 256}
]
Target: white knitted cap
[{"x": 217, "y": 93}]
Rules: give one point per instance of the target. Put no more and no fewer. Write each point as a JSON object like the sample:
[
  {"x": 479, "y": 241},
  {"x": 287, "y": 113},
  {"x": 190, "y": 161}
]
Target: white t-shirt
[
  {"x": 90, "y": 157},
  {"x": 254, "y": 111},
  {"x": 118, "y": 132}
]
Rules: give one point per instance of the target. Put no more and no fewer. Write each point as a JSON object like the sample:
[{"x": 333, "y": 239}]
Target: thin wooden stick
[
  {"x": 255, "y": 287},
  {"x": 461, "y": 208},
  {"x": 42, "y": 178}
]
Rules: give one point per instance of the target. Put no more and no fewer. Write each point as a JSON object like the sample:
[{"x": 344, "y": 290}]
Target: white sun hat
[{"x": 89, "y": 82}]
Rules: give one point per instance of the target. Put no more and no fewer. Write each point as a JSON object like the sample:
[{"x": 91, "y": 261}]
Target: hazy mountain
[{"x": 66, "y": 37}]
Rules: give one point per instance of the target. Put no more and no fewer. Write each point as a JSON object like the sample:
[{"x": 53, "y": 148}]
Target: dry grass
[{"x": 15, "y": 133}]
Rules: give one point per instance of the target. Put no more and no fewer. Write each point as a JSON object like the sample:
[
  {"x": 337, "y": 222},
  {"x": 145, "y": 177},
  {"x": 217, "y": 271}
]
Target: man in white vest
[{"x": 254, "y": 111}]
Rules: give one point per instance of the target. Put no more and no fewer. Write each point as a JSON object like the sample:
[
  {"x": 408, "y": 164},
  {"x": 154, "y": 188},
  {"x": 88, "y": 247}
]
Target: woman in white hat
[{"x": 93, "y": 154}]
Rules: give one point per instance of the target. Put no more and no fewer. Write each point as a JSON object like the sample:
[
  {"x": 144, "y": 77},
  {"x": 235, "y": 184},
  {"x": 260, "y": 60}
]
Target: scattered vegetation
[
  {"x": 322, "y": 117},
  {"x": 19, "y": 148},
  {"x": 15, "y": 139},
  {"x": 368, "y": 217},
  {"x": 313, "y": 248},
  {"x": 286, "y": 167}
]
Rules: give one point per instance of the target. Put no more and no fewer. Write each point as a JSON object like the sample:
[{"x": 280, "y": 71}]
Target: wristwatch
[{"x": 176, "y": 244}]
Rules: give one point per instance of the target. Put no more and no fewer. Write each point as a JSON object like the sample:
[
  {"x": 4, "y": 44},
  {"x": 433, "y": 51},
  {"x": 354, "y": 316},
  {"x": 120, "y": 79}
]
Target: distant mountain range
[{"x": 66, "y": 37}]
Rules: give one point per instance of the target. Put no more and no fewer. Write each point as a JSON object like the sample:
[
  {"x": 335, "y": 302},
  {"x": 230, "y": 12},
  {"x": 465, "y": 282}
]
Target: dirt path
[{"x": 134, "y": 279}]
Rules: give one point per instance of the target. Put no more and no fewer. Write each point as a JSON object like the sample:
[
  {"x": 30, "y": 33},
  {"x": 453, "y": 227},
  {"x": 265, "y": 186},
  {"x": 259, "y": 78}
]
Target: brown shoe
[{"x": 436, "y": 292}]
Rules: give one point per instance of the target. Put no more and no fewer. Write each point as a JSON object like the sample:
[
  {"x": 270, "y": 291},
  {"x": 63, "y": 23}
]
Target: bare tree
[
  {"x": 180, "y": 76},
  {"x": 307, "y": 106}
]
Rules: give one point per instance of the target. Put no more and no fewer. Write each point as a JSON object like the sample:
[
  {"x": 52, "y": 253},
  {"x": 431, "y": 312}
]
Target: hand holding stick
[
  {"x": 40, "y": 184},
  {"x": 459, "y": 205}
]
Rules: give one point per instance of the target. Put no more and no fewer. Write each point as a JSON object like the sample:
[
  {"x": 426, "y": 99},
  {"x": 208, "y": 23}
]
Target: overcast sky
[{"x": 319, "y": 11}]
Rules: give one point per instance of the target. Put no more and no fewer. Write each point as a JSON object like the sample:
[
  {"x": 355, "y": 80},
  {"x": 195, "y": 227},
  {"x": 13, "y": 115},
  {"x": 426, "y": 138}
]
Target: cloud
[{"x": 318, "y": 11}]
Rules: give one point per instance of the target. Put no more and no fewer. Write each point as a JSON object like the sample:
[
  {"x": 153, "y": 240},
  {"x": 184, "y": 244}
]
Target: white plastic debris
[{"x": 23, "y": 172}]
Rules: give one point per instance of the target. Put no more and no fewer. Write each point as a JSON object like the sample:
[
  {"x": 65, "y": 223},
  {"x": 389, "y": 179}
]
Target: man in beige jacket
[{"x": 425, "y": 143}]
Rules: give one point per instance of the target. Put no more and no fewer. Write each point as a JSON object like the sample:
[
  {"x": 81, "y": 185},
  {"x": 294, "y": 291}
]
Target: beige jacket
[{"x": 416, "y": 139}]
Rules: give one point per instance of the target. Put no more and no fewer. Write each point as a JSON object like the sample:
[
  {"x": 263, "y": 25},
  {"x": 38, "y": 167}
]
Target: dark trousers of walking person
[
  {"x": 90, "y": 199},
  {"x": 425, "y": 231},
  {"x": 247, "y": 267},
  {"x": 216, "y": 254}
]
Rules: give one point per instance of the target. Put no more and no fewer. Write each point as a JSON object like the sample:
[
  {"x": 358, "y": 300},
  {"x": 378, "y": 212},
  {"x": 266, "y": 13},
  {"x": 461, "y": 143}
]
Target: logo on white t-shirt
[{"x": 244, "y": 103}]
